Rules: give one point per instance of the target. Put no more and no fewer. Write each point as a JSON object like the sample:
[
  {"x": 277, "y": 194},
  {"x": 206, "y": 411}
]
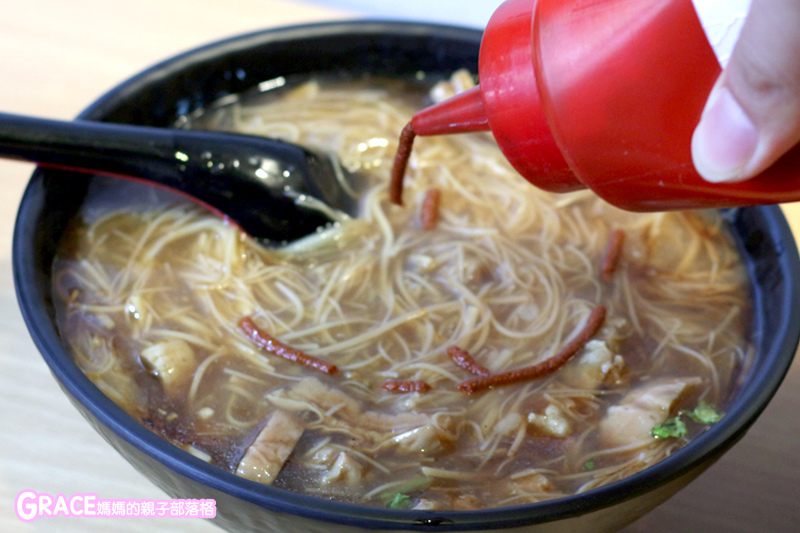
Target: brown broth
[{"x": 509, "y": 273}]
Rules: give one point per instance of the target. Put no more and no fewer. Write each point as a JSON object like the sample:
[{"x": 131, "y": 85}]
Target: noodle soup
[{"x": 344, "y": 366}]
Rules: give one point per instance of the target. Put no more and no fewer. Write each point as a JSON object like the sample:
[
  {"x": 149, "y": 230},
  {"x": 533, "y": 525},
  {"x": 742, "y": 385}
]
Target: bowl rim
[{"x": 749, "y": 403}]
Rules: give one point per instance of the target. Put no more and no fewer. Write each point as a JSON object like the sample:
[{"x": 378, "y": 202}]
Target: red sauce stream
[{"x": 548, "y": 366}]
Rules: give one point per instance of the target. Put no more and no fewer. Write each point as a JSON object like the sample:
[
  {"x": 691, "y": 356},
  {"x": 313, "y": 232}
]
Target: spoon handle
[
  {"x": 162, "y": 155},
  {"x": 253, "y": 181},
  {"x": 85, "y": 145}
]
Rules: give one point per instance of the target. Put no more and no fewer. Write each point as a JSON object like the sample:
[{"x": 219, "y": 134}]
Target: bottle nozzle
[
  {"x": 462, "y": 113},
  {"x": 506, "y": 102}
]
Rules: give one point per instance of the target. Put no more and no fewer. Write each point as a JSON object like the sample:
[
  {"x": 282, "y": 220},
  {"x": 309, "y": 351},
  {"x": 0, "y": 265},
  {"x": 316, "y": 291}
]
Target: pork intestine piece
[
  {"x": 264, "y": 459},
  {"x": 633, "y": 419},
  {"x": 173, "y": 363}
]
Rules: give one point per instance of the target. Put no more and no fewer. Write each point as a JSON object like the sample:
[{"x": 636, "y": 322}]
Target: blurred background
[
  {"x": 474, "y": 13},
  {"x": 56, "y": 57}
]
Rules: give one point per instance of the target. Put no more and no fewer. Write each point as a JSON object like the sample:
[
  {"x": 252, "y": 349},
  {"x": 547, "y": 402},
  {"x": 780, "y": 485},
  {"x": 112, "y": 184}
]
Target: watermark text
[{"x": 31, "y": 505}]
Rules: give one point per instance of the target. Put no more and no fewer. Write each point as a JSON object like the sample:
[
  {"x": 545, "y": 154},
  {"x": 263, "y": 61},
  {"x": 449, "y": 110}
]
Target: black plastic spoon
[{"x": 276, "y": 192}]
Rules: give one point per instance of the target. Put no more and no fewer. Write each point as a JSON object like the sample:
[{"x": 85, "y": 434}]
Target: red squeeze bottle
[{"x": 603, "y": 94}]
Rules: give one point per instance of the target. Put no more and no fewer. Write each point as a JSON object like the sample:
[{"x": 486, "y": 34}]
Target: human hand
[{"x": 752, "y": 116}]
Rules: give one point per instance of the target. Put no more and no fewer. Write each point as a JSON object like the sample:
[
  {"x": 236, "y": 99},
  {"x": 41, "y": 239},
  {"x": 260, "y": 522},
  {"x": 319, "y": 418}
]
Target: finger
[{"x": 752, "y": 116}]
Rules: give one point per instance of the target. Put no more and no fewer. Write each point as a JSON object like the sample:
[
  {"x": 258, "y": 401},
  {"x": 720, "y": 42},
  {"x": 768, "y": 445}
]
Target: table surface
[{"x": 57, "y": 56}]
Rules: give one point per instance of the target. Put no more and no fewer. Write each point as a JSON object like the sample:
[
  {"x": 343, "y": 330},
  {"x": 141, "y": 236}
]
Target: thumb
[{"x": 752, "y": 116}]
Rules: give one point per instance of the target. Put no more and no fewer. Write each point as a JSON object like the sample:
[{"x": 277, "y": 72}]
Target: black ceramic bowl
[{"x": 178, "y": 86}]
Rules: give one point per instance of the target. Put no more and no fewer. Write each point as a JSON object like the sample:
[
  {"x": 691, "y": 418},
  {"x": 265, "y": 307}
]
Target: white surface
[
  {"x": 474, "y": 13},
  {"x": 722, "y": 20}
]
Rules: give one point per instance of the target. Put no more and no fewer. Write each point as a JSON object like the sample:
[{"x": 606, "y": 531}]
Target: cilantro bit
[
  {"x": 705, "y": 413},
  {"x": 672, "y": 427},
  {"x": 399, "y": 498},
  {"x": 589, "y": 465},
  {"x": 400, "y": 501}
]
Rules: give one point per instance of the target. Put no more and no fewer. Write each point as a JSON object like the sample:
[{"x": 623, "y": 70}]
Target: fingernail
[{"x": 725, "y": 139}]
